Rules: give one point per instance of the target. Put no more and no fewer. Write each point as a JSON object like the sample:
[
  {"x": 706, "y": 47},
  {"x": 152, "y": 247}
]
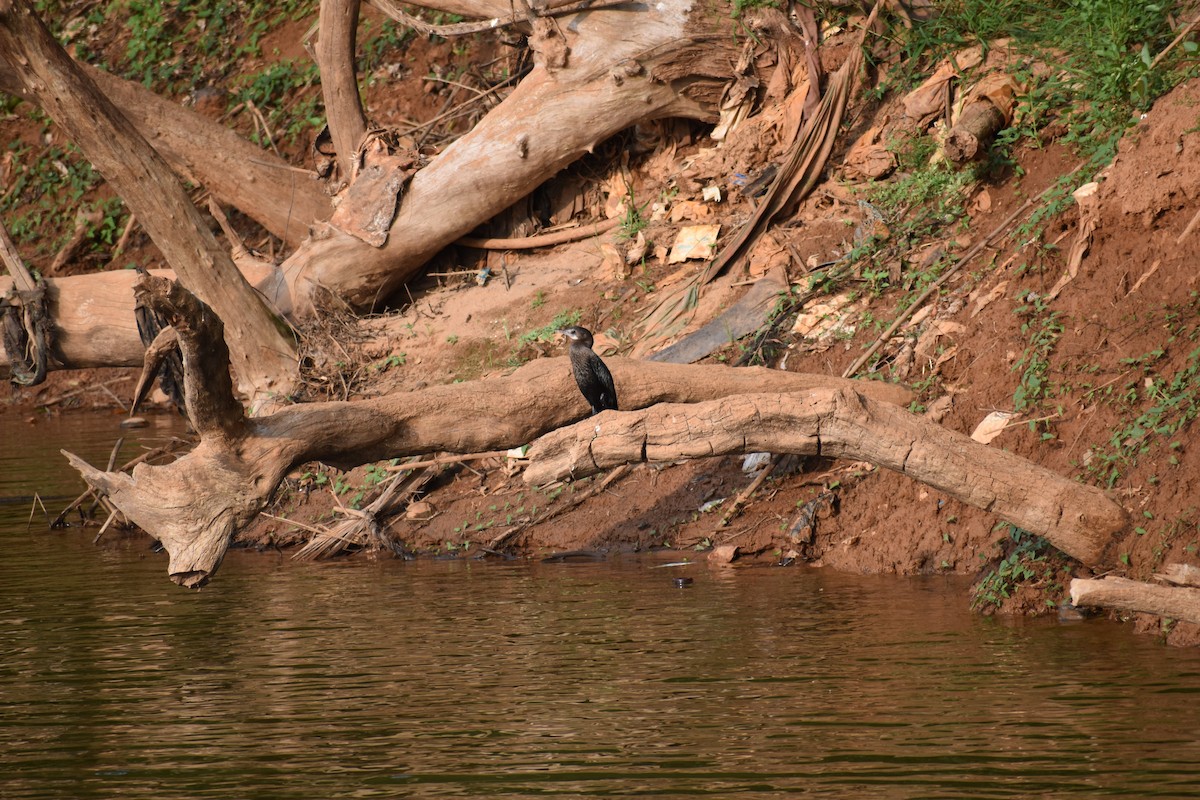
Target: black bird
[{"x": 592, "y": 376}]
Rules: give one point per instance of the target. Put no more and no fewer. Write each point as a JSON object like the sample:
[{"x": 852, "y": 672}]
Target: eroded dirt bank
[
  {"x": 1098, "y": 371},
  {"x": 1116, "y": 396}
]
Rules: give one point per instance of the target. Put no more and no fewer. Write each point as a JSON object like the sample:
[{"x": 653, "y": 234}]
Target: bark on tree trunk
[
  {"x": 195, "y": 505},
  {"x": 263, "y": 358},
  {"x": 1080, "y": 520}
]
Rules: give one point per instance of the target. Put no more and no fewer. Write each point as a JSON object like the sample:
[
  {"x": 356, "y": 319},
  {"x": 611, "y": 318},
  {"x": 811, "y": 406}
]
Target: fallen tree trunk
[
  {"x": 610, "y": 69},
  {"x": 196, "y": 504},
  {"x": 94, "y": 325},
  {"x": 1175, "y": 602},
  {"x": 1080, "y": 520}
]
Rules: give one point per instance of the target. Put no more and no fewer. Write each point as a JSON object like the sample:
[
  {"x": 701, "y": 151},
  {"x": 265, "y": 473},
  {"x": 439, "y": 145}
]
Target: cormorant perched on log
[{"x": 592, "y": 376}]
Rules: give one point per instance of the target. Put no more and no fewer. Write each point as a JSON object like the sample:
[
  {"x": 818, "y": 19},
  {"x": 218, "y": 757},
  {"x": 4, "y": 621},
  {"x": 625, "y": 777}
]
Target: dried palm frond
[
  {"x": 800, "y": 172},
  {"x": 362, "y": 526}
]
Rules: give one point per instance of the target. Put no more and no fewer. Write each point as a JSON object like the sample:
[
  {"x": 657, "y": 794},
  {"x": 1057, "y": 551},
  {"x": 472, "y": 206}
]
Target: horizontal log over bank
[
  {"x": 842, "y": 423},
  {"x": 1174, "y": 602},
  {"x": 94, "y": 324}
]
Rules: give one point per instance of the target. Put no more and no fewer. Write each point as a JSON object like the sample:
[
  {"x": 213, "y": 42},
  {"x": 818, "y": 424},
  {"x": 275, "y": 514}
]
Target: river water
[{"x": 470, "y": 679}]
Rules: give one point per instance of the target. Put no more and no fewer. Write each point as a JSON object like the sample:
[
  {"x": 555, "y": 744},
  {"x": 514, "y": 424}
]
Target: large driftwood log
[
  {"x": 841, "y": 423},
  {"x": 196, "y": 504},
  {"x": 1175, "y": 602}
]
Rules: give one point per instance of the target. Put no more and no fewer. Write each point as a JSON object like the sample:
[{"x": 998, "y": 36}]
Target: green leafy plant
[
  {"x": 634, "y": 219},
  {"x": 285, "y": 91},
  {"x": 1028, "y": 560},
  {"x": 374, "y": 475},
  {"x": 1172, "y": 403},
  {"x": 1042, "y": 327},
  {"x": 394, "y": 360},
  {"x": 740, "y": 7},
  {"x": 564, "y": 319},
  {"x": 1103, "y": 51}
]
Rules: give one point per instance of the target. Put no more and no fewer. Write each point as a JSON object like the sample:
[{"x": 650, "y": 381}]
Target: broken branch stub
[
  {"x": 842, "y": 423},
  {"x": 212, "y": 407}
]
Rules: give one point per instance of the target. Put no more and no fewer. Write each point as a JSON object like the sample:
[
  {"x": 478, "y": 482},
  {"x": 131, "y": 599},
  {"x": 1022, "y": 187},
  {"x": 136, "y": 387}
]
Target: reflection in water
[{"x": 453, "y": 679}]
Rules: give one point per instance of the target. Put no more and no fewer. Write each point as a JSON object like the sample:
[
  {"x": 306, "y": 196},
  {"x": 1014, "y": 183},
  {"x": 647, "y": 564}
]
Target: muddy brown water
[{"x": 467, "y": 679}]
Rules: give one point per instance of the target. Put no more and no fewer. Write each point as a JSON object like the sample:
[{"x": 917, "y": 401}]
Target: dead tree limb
[
  {"x": 1179, "y": 575},
  {"x": 236, "y": 171},
  {"x": 841, "y": 423},
  {"x": 1175, "y": 602},
  {"x": 196, "y": 504},
  {"x": 971, "y": 137},
  {"x": 263, "y": 358},
  {"x": 93, "y": 320},
  {"x": 620, "y": 66},
  {"x": 987, "y": 110},
  {"x": 239, "y": 173},
  {"x": 339, "y": 85},
  {"x": 623, "y": 65}
]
